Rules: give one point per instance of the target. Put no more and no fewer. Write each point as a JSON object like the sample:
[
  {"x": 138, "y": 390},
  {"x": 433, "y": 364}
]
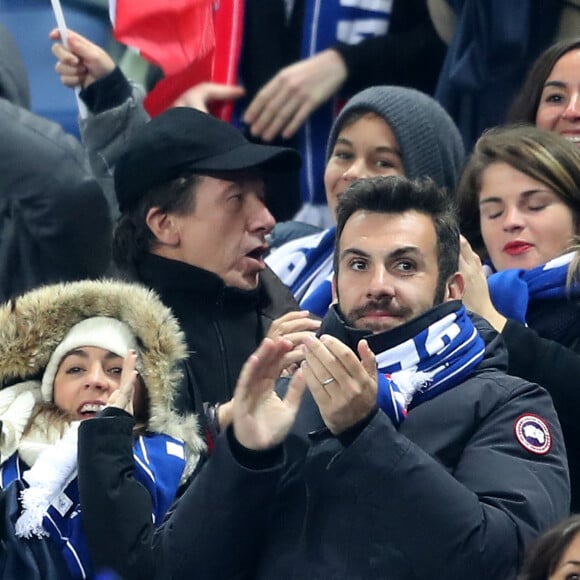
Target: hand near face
[
  {"x": 296, "y": 327},
  {"x": 261, "y": 419},
  {"x": 286, "y": 101},
  {"x": 476, "y": 295},
  {"x": 122, "y": 398},
  {"x": 82, "y": 63},
  {"x": 352, "y": 394},
  {"x": 202, "y": 95}
]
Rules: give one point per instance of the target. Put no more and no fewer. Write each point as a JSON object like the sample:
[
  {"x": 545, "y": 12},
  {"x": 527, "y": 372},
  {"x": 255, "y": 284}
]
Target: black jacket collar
[
  {"x": 335, "y": 325},
  {"x": 272, "y": 297}
]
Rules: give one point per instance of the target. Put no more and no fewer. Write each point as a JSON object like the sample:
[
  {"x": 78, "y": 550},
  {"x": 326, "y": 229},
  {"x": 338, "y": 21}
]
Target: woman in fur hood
[{"x": 70, "y": 352}]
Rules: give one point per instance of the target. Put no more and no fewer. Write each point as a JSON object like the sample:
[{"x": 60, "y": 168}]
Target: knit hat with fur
[
  {"x": 100, "y": 331},
  {"x": 429, "y": 141},
  {"x": 33, "y": 325}
]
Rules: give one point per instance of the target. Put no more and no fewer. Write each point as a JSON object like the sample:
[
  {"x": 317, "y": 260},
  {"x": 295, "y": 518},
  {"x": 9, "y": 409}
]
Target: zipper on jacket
[{"x": 221, "y": 345}]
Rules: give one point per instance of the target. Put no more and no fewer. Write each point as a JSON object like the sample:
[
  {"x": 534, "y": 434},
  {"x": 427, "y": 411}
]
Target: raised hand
[
  {"x": 261, "y": 419},
  {"x": 344, "y": 387},
  {"x": 286, "y": 101},
  {"x": 476, "y": 296},
  {"x": 122, "y": 398},
  {"x": 202, "y": 95},
  {"x": 296, "y": 327},
  {"x": 82, "y": 63}
]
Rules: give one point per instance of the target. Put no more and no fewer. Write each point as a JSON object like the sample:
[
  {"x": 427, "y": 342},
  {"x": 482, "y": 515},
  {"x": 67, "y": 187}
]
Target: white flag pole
[{"x": 60, "y": 22}]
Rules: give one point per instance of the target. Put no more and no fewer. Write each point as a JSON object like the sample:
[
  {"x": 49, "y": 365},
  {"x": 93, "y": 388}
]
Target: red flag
[
  {"x": 170, "y": 33},
  {"x": 191, "y": 40},
  {"x": 229, "y": 24}
]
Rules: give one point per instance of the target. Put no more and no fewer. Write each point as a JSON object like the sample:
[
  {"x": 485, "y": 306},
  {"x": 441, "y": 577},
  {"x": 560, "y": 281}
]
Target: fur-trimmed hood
[{"x": 33, "y": 325}]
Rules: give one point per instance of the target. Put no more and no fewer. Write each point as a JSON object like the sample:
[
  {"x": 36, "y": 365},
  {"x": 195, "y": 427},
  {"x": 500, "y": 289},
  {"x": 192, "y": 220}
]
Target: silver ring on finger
[{"x": 327, "y": 381}]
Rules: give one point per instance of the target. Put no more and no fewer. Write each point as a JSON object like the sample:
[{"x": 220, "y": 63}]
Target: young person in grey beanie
[{"x": 383, "y": 130}]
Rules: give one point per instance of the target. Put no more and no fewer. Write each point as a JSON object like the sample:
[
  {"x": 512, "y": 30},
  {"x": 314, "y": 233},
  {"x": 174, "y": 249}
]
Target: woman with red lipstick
[
  {"x": 105, "y": 351},
  {"x": 519, "y": 207}
]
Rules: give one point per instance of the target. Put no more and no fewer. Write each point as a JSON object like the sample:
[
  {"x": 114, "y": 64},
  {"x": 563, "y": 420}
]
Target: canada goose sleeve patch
[{"x": 533, "y": 433}]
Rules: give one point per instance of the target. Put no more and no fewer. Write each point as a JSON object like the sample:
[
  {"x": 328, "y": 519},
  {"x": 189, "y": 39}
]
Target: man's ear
[
  {"x": 455, "y": 287},
  {"x": 163, "y": 227},
  {"x": 334, "y": 290}
]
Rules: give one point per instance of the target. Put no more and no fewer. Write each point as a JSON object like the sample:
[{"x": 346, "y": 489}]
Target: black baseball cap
[{"x": 183, "y": 139}]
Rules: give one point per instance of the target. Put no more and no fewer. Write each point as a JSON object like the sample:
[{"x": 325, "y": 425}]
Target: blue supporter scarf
[
  {"x": 327, "y": 22},
  {"x": 318, "y": 301},
  {"x": 159, "y": 464},
  {"x": 305, "y": 265},
  {"x": 512, "y": 290},
  {"x": 424, "y": 358}
]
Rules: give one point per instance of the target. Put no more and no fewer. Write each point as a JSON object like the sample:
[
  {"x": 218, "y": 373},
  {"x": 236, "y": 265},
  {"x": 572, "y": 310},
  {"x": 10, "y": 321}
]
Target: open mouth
[
  {"x": 257, "y": 253},
  {"x": 572, "y": 137},
  {"x": 90, "y": 409}
]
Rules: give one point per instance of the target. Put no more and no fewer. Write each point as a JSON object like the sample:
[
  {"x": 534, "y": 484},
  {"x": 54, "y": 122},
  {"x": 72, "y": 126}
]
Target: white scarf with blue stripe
[
  {"x": 512, "y": 290},
  {"x": 306, "y": 266},
  {"x": 50, "y": 498}
]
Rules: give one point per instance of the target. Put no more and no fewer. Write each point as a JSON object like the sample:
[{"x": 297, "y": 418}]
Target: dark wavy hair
[
  {"x": 543, "y": 556},
  {"x": 133, "y": 238},
  {"x": 525, "y": 104}
]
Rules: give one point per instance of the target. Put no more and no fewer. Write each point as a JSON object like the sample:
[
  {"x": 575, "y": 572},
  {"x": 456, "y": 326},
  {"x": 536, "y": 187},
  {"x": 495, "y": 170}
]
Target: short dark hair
[
  {"x": 132, "y": 238},
  {"x": 525, "y": 104},
  {"x": 544, "y": 555},
  {"x": 395, "y": 195}
]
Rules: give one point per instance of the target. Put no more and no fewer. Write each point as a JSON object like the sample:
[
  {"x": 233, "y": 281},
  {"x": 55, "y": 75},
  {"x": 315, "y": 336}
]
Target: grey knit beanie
[{"x": 429, "y": 141}]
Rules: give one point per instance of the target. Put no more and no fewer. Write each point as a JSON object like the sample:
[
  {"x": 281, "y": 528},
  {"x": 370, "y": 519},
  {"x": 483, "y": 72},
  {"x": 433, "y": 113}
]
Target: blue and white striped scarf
[
  {"x": 439, "y": 357},
  {"x": 421, "y": 359},
  {"x": 512, "y": 290},
  {"x": 306, "y": 266},
  {"x": 159, "y": 464}
]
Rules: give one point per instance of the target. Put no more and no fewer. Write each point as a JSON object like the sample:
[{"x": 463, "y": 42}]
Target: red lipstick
[{"x": 516, "y": 248}]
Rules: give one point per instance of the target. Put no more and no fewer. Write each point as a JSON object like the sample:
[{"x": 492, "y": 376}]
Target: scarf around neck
[
  {"x": 54, "y": 468},
  {"x": 306, "y": 266},
  {"x": 421, "y": 359},
  {"x": 512, "y": 290}
]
